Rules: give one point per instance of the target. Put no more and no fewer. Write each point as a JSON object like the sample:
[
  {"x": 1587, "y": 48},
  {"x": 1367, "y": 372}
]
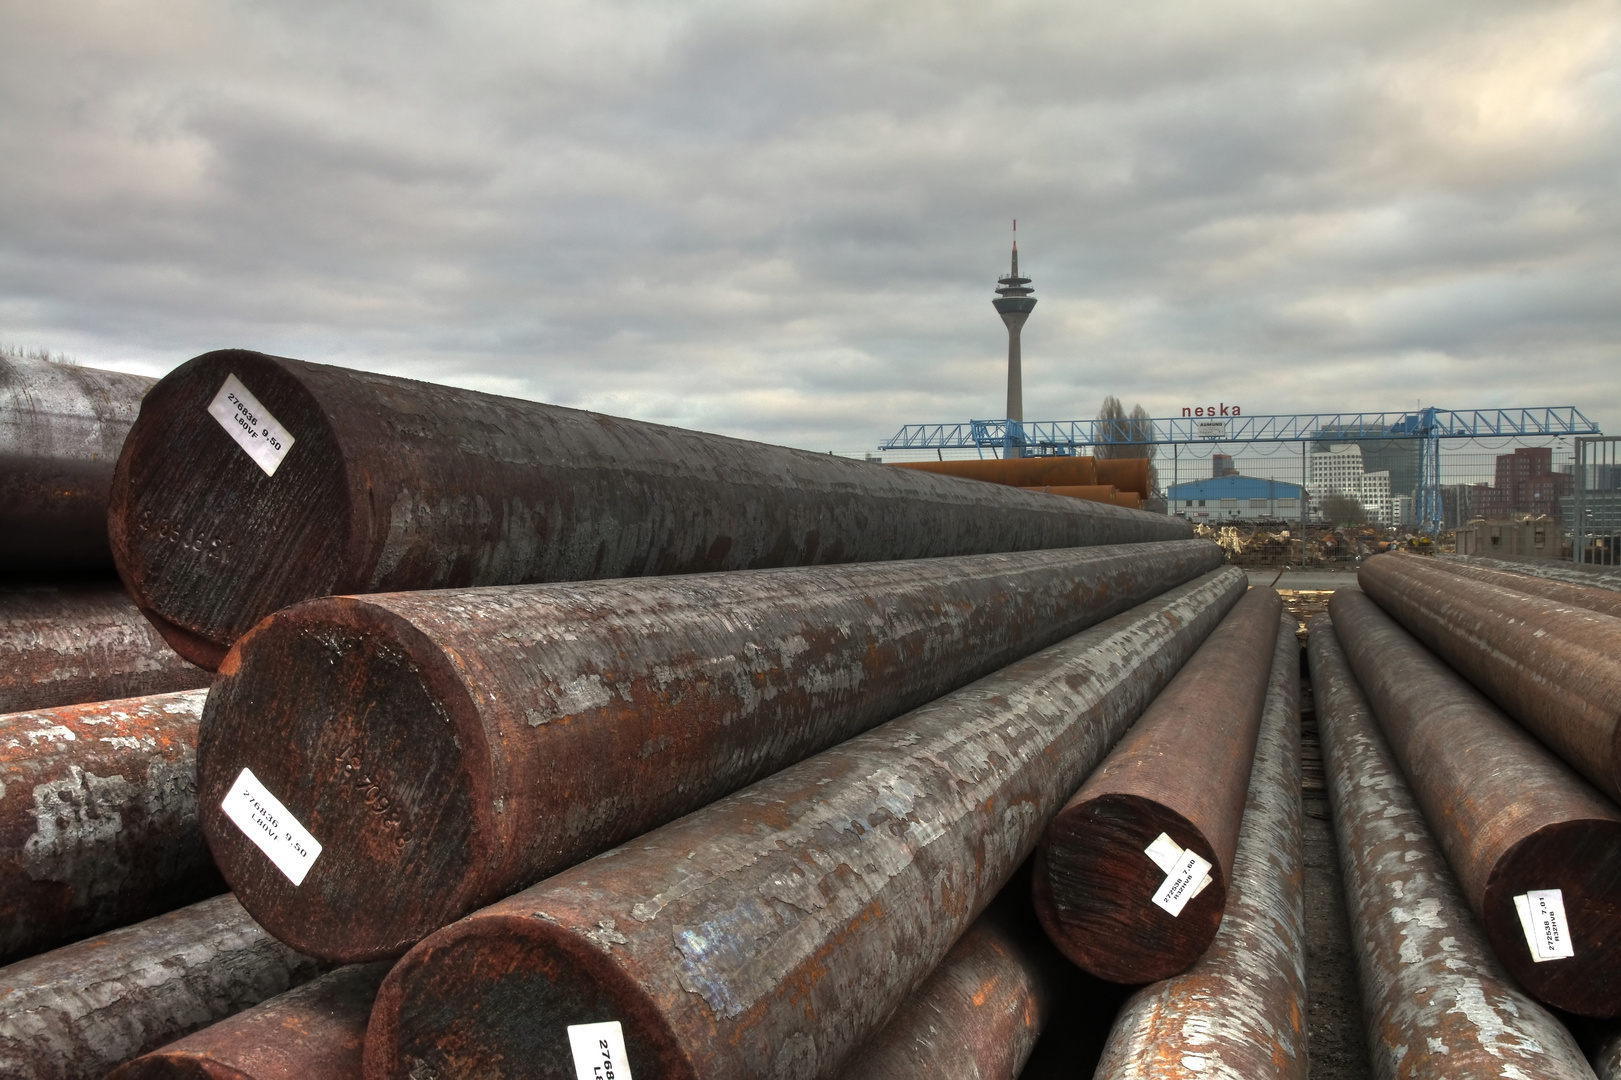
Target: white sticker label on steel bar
[
  {"x": 272, "y": 826},
  {"x": 1183, "y": 883},
  {"x": 1165, "y": 853},
  {"x": 251, "y": 425},
  {"x": 599, "y": 1051},
  {"x": 1547, "y": 931}
]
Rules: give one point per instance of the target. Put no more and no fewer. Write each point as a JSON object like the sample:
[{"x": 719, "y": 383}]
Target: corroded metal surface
[
  {"x": 98, "y": 818},
  {"x": 980, "y": 1013},
  {"x": 313, "y": 1032},
  {"x": 449, "y": 748},
  {"x": 1014, "y": 472},
  {"x": 66, "y": 644},
  {"x": 1589, "y": 594},
  {"x": 1436, "y": 1001},
  {"x": 76, "y": 1012},
  {"x": 1127, "y": 474},
  {"x": 1182, "y": 771},
  {"x": 391, "y": 484},
  {"x": 1105, "y": 493},
  {"x": 1510, "y": 816},
  {"x": 1240, "y": 1012},
  {"x": 61, "y": 428},
  {"x": 771, "y": 933},
  {"x": 1596, "y": 577},
  {"x": 1553, "y": 667}
]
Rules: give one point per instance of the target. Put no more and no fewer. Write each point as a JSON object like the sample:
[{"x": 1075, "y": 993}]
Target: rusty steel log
[
  {"x": 1605, "y": 601},
  {"x": 1511, "y": 817},
  {"x": 1015, "y": 472},
  {"x": 307, "y": 480},
  {"x": 981, "y": 1011},
  {"x": 313, "y": 1032},
  {"x": 1109, "y": 890},
  {"x": 1240, "y": 1012},
  {"x": 61, "y": 428},
  {"x": 98, "y": 819},
  {"x": 80, "y": 1010},
  {"x": 1594, "y": 577},
  {"x": 1435, "y": 1000},
  {"x": 1553, "y": 667},
  {"x": 771, "y": 933},
  {"x": 1127, "y": 474},
  {"x": 1104, "y": 493},
  {"x": 449, "y": 748},
  {"x": 73, "y": 643}
]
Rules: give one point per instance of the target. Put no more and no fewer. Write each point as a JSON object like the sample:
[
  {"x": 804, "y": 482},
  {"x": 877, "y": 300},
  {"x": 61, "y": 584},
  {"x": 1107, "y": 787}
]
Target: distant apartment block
[
  {"x": 1339, "y": 471},
  {"x": 1524, "y": 483}
]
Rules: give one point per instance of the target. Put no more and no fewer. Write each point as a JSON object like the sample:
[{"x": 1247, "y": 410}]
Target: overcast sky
[{"x": 784, "y": 220}]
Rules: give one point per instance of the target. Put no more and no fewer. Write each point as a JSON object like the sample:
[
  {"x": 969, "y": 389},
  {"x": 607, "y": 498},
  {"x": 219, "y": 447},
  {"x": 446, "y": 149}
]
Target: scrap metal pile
[{"x": 546, "y": 743}]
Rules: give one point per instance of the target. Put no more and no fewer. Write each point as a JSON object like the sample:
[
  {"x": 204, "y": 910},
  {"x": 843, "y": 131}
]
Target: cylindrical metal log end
[
  {"x": 98, "y": 819},
  {"x": 189, "y": 507},
  {"x": 314, "y": 1032},
  {"x": 1240, "y": 1011},
  {"x": 1182, "y": 771},
  {"x": 376, "y": 737},
  {"x": 1431, "y": 985},
  {"x": 502, "y": 988}
]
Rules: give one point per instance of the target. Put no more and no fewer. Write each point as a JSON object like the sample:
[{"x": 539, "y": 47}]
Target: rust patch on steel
[
  {"x": 772, "y": 932},
  {"x": 1554, "y": 667},
  {"x": 1239, "y": 1013},
  {"x": 1593, "y": 596},
  {"x": 1510, "y": 816},
  {"x": 1182, "y": 771},
  {"x": 98, "y": 818},
  {"x": 1435, "y": 999},
  {"x": 449, "y": 748}
]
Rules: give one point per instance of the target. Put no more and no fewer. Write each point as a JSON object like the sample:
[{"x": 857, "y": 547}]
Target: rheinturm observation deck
[{"x": 1014, "y": 303}]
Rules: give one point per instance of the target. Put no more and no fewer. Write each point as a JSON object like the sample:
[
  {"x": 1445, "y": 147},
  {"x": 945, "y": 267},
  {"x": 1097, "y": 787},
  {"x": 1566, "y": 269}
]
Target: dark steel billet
[
  {"x": 1435, "y": 1000},
  {"x": 82, "y": 1009},
  {"x": 1605, "y": 1053},
  {"x": 313, "y": 1032},
  {"x": 449, "y": 748},
  {"x": 98, "y": 818},
  {"x": 1181, "y": 772},
  {"x": 1606, "y": 601},
  {"x": 771, "y": 933},
  {"x": 1553, "y": 667},
  {"x": 1511, "y": 817},
  {"x": 1240, "y": 1012},
  {"x": 67, "y": 644},
  {"x": 379, "y": 484},
  {"x": 981, "y": 1011},
  {"x": 1595, "y": 577},
  {"x": 61, "y": 428}
]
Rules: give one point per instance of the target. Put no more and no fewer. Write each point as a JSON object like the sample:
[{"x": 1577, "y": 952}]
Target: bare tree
[
  {"x": 1343, "y": 510},
  {"x": 1130, "y": 435}
]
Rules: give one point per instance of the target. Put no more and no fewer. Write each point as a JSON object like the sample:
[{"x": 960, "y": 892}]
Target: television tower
[{"x": 1014, "y": 303}]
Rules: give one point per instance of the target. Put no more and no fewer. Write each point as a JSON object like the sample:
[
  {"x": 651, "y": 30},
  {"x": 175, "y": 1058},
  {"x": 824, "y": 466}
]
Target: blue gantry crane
[{"x": 1013, "y": 438}]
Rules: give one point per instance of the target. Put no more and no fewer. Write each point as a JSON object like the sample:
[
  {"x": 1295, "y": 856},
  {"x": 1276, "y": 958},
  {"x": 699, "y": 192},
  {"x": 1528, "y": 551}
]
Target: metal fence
[{"x": 1594, "y": 516}]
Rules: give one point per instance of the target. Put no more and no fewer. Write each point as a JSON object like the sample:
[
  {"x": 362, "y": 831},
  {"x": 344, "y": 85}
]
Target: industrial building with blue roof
[{"x": 1235, "y": 498}]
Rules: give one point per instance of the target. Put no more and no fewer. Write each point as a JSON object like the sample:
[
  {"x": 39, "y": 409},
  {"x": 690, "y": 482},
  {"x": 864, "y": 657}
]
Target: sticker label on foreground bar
[
  {"x": 599, "y": 1051},
  {"x": 272, "y": 826},
  {"x": 250, "y": 424},
  {"x": 1547, "y": 931},
  {"x": 1182, "y": 883},
  {"x": 1165, "y": 853}
]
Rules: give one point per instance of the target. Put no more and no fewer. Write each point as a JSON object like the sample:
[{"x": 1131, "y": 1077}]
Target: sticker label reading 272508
[
  {"x": 271, "y": 826},
  {"x": 250, "y": 424}
]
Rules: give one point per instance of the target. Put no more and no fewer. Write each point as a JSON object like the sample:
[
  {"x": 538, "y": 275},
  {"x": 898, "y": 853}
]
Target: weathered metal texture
[
  {"x": 1435, "y": 999},
  {"x": 771, "y": 933},
  {"x": 450, "y": 748},
  {"x": 1104, "y": 493},
  {"x": 67, "y": 644},
  {"x": 392, "y": 484},
  {"x": 1015, "y": 472},
  {"x": 1595, "y": 577},
  {"x": 1553, "y": 667},
  {"x": 98, "y": 818},
  {"x": 1606, "y": 601},
  {"x": 313, "y": 1032},
  {"x": 79, "y": 1011},
  {"x": 1510, "y": 816},
  {"x": 1183, "y": 770},
  {"x": 1605, "y": 1053},
  {"x": 1127, "y": 474},
  {"x": 981, "y": 1011},
  {"x": 1240, "y": 1011},
  {"x": 61, "y": 428}
]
